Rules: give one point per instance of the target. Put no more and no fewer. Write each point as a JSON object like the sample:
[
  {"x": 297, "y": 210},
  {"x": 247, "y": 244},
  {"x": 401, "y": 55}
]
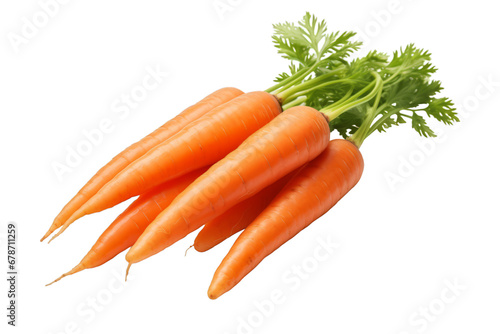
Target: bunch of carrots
[{"x": 263, "y": 161}]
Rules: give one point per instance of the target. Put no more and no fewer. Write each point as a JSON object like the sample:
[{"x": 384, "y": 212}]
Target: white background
[{"x": 398, "y": 246}]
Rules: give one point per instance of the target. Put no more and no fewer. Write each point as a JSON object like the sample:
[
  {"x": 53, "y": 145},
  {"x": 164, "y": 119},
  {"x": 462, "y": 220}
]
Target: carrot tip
[
  {"x": 185, "y": 253},
  {"x": 55, "y": 236},
  {"x": 47, "y": 234},
  {"x": 56, "y": 280},
  {"x": 63, "y": 228},
  {"x": 128, "y": 269},
  {"x": 76, "y": 269},
  {"x": 212, "y": 295},
  {"x": 78, "y": 214}
]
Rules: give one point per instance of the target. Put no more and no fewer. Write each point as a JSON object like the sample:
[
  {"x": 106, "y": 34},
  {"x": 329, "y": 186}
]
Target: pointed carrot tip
[
  {"x": 63, "y": 228},
  {"x": 76, "y": 269},
  {"x": 68, "y": 222},
  {"x": 46, "y": 235},
  {"x": 128, "y": 269},
  {"x": 56, "y": 280}
]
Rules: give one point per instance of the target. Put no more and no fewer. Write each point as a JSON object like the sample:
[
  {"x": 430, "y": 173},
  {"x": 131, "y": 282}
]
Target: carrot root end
[
  {"x": 76, "y": 269},
  {"x": 185, "y": 253},
  {"x": 128, "y": 269}
]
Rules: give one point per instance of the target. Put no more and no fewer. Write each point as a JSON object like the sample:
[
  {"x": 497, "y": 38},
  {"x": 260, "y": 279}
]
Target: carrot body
[
  {"x": 129, "y": 225},
  {"x": 310, "y": 194},
  {"x": 238, "y": 217},
  {"x": 138, "y": 149},
  {"x": 293, "y": 138},
  {"x": 200, "y": 143}
]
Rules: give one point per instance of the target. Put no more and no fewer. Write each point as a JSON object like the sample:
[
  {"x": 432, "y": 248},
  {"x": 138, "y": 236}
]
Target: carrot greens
[{"x": 361, "y": 96}]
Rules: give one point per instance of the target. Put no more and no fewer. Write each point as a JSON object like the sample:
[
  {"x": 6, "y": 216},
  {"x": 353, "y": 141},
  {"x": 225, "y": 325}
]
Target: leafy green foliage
[
  {"x": 348, "y": 79},
  {"x": 410, "y": 63},
  {"x": 420, "y": 125},
  {"x": 283, "y": 76},
  {"x": 407, "y": 87},
  {"x": 367, "y": 94},
  {"x": 309, "y": 43},
  {"x": 442, "y": 109},
  {"x": 373, "y": 61},
  {"x": 349, "y": 122},
  {"x": 326, "y": 96}
]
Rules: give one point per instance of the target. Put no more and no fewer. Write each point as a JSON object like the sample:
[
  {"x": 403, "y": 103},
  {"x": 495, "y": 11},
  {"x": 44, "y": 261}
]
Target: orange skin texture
[
  {"x": 137, "y": 150},
  {"x": 238, "y": 217},
  {"x": 295, "y": 137},
  {"x": 309, "y": 195},
  {"x": 201, "y": 143},
  {"x": 129, "y": 225}
]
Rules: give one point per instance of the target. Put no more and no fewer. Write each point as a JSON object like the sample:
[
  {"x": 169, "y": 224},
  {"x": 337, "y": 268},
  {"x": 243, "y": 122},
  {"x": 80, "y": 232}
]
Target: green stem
[
  {"x": 298, "y": 79},
  {"x": 380, "y": 120},
  {"x": 367, "y": 128},
  {"x": 336, "y": 109},
  {"x": 305, "y": 87},
  {"x": 293, "y": 77},
  {"x": 296, "y": 102},
  {"x": 294, "y": 95},
  {"x": 346, "y": 96},
  {"x": 354, "y": 97},
  {"x": 364, "y": 130}
]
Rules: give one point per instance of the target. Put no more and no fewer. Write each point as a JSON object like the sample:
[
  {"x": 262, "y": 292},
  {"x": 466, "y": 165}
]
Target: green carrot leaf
[
  {"x": 409, "y": 63},
  {"x": 442, "y": 109},
  {"x": 407, "y": 93},
  {"x": 309, "y": 44},
  {"x": 360, "y": 96},
  {"x": 348, "y": 122},
  {"x": 420, "y": 125},
  {"x": 389, "y": 118}
]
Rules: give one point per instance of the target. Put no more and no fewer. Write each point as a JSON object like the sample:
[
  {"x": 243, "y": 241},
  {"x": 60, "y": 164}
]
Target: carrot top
[
  {"x": 406, "y": 93},
  {"x": 311, "y": 49},
  {"x": 360, "y": 96}
]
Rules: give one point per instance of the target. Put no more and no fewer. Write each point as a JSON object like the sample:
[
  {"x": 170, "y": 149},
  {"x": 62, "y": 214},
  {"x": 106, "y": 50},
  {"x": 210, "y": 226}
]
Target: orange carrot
[
  {"x": 310, "y": 194},
  {"x": 128, "y": 226},
  {"x": 138, "y": 149},
  {"x": 201, "y": 143},
  {"x": 238, "y": 217},
  {"x": 293, "y": 138}
]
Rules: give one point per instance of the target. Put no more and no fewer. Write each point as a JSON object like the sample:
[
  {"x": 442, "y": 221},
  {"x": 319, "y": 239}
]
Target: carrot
[
  {"x": 200, "y": 143},
  {"x": 129, "y": 225},
  {"x": 135, "y": 151},
  {"x": 238, "y": 217},
  {"x": 356, "y": 98},
  {"x": 293, "y": 138},
  {"x": 383, "y": 94},
  {"x": 313, "y": 51},
  {"x": 310, "y": 194}
]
